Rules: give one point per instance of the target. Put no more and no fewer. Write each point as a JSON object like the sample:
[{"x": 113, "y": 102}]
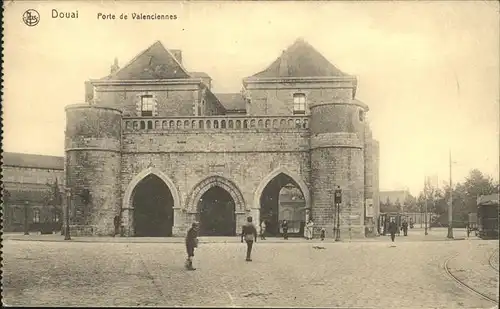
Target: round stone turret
[
  {"x": 337, "y": 158},
  {"x": 92, "y": 167}
]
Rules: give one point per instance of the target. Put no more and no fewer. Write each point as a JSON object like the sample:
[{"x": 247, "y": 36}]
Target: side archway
[
  {"x": 281, "y": 170},
  {"x": 128, "y": 208},
  {"x": 127, "y": 196},
  {"x": 214, "y": 181}
]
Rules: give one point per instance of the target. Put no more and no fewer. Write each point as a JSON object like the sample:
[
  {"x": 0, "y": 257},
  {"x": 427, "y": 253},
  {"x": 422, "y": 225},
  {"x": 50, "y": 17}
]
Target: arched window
[{"x": 299, "y": 104}]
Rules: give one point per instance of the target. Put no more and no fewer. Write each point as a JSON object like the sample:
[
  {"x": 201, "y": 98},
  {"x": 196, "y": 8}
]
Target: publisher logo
[{"x": 31, "y": 17}]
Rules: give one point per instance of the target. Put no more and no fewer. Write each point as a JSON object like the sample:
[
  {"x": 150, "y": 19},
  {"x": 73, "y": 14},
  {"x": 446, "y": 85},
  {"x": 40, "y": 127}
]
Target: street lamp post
[
  {"x": 425, "y": 212},
  {"x": 338, "y": 201},
  {"x": 67, "y": 235},
  {"x": 26, "y": 227},
  {"x": 450, "y": 207}
]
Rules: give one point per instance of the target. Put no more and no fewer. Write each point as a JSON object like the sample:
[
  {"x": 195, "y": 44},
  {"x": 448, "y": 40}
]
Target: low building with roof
[{"x": 29, "y": 190}]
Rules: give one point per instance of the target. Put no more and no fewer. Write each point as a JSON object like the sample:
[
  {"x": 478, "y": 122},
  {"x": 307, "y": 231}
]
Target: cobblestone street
[{"x": 357, "y": 274}]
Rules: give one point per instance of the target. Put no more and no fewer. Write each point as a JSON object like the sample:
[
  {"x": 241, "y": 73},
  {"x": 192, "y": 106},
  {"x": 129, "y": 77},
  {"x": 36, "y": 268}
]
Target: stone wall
[
  {"x": 277, "y": 98},
  {"x": 244, "y": 159},
  {"x": 93, "y": 165},
  {"x": 172, "y": 99}
]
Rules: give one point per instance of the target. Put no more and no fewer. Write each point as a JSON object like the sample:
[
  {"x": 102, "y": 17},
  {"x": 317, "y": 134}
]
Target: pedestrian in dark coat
[
  {"x": 191, "y": 243},
  {"x": 284, "y": 226},
  {"x": 249, "y": 232},
  {"x": 393, "y": 229},
  {"x": 404, "y": 226}
]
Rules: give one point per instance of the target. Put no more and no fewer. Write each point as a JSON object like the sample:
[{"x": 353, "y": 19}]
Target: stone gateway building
[{"x": 155, "y": 147}]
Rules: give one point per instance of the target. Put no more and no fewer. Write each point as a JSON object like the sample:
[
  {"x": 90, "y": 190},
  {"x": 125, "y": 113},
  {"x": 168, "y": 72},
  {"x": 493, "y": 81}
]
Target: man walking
[
  {"x": 191, "y": 243},
  {"x": 249, "y": 232},
  {"x": 393, "y": 229}
]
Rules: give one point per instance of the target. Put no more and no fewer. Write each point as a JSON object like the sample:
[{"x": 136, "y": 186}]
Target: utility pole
[
  {"x": 450, "y": 207},
  {"x": 426, "y": 181}
]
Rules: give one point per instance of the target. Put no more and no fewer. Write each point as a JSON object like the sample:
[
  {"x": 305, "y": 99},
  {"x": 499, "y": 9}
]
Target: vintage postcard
[{"x": 337, "y": 154}]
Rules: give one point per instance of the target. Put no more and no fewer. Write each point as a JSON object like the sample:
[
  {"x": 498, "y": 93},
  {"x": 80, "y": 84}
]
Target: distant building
[
  {"x": 27, "y": 184},
  {"x": 395, "y": 197}
]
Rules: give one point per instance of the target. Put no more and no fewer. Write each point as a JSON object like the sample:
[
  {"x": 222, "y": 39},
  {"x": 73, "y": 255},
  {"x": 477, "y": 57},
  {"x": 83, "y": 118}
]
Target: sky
[{"x": 429, "y": 71}]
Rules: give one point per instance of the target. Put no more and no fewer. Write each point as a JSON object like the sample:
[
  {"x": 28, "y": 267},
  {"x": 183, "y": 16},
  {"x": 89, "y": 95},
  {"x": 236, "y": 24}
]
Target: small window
[
  {"x": 147, "y": 105},
  {"x": 36, "y": 215},
  {"x": 299, "y": 104}
]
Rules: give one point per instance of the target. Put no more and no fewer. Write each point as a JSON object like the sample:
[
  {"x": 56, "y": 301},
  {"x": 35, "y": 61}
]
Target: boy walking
[
  {"x": 191, "y": 243},
  {"x": 249, "y": 232}
]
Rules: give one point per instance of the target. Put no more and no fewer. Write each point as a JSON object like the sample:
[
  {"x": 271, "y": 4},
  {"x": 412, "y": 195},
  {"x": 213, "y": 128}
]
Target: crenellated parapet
[{"x": 215, "y": 123}]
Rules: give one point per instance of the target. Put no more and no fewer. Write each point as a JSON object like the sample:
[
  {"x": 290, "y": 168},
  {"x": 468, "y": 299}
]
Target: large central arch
[
  {"x": 210, "y": 182},
  {"x": 218, "y": 205}
]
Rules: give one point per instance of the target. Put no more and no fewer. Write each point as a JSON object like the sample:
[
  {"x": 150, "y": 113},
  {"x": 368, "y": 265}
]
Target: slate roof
[
  {"x": 301, "y": 60},
  {"x": 156, "y": 62},
  {"x": 32, "y": 160},
  {"x": 231, "y": 101}
]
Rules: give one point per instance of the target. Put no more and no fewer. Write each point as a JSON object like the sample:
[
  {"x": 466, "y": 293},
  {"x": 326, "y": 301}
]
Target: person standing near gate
[
  {"x": 263, "y": 230},
  {"x": 284, "y": 227},
  {"x": 249, "y": 232},
  {"x": 191, "y": 243},
  {"x": 116, "y": 222},
  {"x": 309, "y": 229}
]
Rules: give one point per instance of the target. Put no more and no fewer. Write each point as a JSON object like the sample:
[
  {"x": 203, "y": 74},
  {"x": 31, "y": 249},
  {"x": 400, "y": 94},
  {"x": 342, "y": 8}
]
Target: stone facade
[{"x": 192, "y": 142}]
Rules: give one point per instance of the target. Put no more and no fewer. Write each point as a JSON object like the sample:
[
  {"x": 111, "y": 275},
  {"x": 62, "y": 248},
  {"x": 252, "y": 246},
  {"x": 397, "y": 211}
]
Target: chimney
[
  {"x": 89, "y": 92},
  {"x": 177, "y": 54},
  {"x": 115, "y": 66}
]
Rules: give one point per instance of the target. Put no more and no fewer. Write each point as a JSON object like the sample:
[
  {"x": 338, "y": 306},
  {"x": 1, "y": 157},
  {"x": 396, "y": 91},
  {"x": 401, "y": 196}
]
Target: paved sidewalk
[{"x": 438, "y": 234}]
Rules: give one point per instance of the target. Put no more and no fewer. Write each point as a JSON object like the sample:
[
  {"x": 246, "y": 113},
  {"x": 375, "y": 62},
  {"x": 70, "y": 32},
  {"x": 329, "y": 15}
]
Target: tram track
[
  {"x": 465, "y": 285},
  {"x": 490, "y": 260}
]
